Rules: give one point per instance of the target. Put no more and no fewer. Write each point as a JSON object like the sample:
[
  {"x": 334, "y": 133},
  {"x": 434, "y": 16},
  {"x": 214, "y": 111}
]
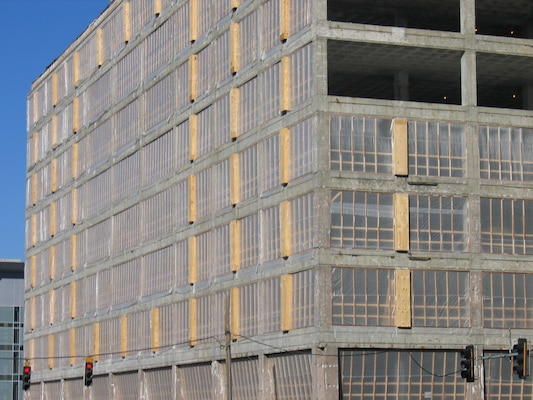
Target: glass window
[
  {"x": 437, "y": 149},
  {"x": 504, "y": 226},
  {"x": 360, "y": 144},
  {"x": 363, "y": 297},
  {"x": 404, "y": 374},
  {"x": 506, "y": 153},
  {"x": 508, "y": 300},
  {"x": 441, "y": 299},
  {"x": 361, "y": 220},
  {"x": 438, "y": 223}
]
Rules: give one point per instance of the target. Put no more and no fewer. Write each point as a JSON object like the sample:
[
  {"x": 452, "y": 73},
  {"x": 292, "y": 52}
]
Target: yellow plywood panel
[
  {"x": 75, "y": 114},
  {"x": 285, "y": 85},
  {"x": 52, "y": 261},
  {"x": 51, "y": 306},
  {"x": 51, "y": 355},
  {"x": 284, "y": 156},
  {"x": 234, "y": 47},
  {"x": 33, "y": 271},
  {"x": 74, "y": 160},
  {"x": 34, "y": 184},
  {"x": 193, "y": 20},
  {"x": 235, "y": 178},
  {"x": 235, "y": 312},
  {"x": 286, "y": 302},
  {"x": 403, "y": 298},
  {"x": 33, "y": 229},
  {"x": 192, "y": 199},
  {"x": 284, "y": 23},
  {"x": 234, "y": 112},
  {"x": 53, "y": 219},
  {"x": 124, "y": 336},
  {"x": 401, "y": 222},
  {"x": 285, "y": 229},
  {"x": 193, "y": 327},
  {"x": 193, "y": 137},
  {"x": 73, "y": 253},
  {"x": 32, "y": 313},
  {"x": 35, "y": 138},
  {"x": 76, "y": 68},
  {"x": 155, "y": 329},
  {"x": 100, "y": 47},
  {"x": 235, "y": 243},
  {"x": 55, "y": 87},
  {"x": 157, "y": 7},
  {"x": 193, "y": 265},
  {"x": 126, "y": 21},
  {"x": 96, "y": 340},
  {"x": 193, "y": 77},
  {"x": 72, "y": 349},
  {"x": 73, "y": 299},
  {"x": 54, "y": 131},
  {"x": 400, "y": 153},
  {"x": 53, "y": 175},
  {"x": 74, "y": 206}
]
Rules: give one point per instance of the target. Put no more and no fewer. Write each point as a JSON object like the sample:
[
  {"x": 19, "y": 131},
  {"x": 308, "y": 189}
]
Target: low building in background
[
  {"x": 11, "y": 328},
  {"x": 283, "y": 199}
]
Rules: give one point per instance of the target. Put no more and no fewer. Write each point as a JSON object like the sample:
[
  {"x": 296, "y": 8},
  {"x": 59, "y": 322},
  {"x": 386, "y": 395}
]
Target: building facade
[
  {"x": 11, "y": 328},
  {"x": 283, "y": 199}
]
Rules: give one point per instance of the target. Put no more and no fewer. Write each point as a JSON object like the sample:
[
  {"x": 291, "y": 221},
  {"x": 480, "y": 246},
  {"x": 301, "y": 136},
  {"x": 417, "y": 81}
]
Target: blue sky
[{"x": 32, "y": 34}]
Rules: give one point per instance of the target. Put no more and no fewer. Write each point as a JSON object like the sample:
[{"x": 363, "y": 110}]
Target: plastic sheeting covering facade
[{"x": 206, "y": 223}]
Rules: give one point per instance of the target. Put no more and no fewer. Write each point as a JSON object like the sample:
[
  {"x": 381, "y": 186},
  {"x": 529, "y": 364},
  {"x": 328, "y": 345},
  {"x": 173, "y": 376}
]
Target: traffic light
[
  {"x": 26, "y": 377},
  {"x": 467, "y": 363},
  {"x": 88, "y": 376},
  {"x": 520, "y": 360}
]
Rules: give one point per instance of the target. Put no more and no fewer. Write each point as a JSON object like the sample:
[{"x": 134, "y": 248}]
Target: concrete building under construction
[{"x": 283, "y": 199}]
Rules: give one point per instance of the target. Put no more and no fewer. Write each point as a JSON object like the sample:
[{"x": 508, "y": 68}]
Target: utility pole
[{"x": 227, "y": 323}]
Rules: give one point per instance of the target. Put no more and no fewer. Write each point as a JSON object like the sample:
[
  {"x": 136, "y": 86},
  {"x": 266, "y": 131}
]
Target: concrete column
[
  {"x": 468, "y": 79},
  {"x": 468, "y": 16},
  {"x": 326, "y": 373},
  {"x": 401, "y": 85},
  {"x": 527, "y": 96}
]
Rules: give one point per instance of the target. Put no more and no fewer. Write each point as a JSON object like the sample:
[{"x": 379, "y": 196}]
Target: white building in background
[
  {"x": 328, "y": 199},
  {"x": 11, "y": 328}
]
